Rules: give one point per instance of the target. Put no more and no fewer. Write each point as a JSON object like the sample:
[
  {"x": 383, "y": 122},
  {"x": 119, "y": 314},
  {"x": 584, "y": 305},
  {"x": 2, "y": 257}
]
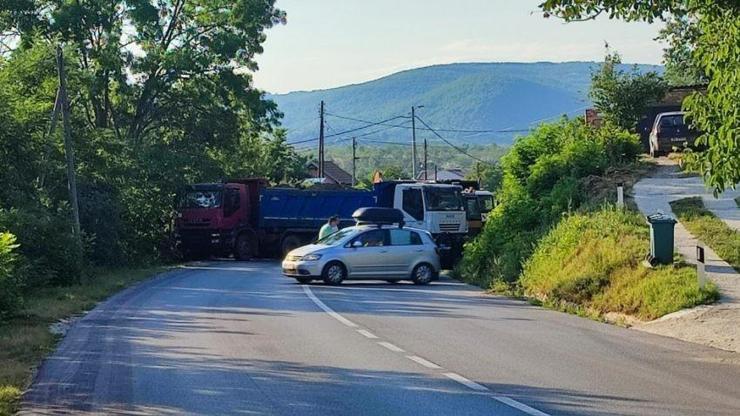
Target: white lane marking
[
  {"x": 453, "y": 376},
  {"x": 390, "y": 346},
  {"x": 519, "y": 406},
  {"x": 425, "y": 363},
  {"x": 367, "y": 334},
  {"x": 327, "y": 309},
  {"x": 465, "y": 382}
]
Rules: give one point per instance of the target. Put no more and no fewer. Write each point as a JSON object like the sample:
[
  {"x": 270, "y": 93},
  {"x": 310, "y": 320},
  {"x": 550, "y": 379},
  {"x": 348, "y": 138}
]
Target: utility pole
[
  {"x": 477, "y": 171},
  {"x": 426, "y": 171},
  {"x": 69, "y": 151},
  {"x": 413, "y": 142},
  {"x": 354, "y": 161},
  {"x": 321, "y": 140}
]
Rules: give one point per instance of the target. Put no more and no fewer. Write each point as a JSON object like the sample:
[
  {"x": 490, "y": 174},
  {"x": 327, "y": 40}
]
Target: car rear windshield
[
  {"x": 201, "y": 199},
  {"x": 671, "y": 121},
  {"x": 443, "y": 199}
]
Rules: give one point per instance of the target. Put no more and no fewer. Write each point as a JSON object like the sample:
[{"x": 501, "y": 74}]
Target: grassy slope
[
  {"x": 709, "y": 229},
  {"x": 590, "y": 263},
  {"x": 25, "y": 339}
]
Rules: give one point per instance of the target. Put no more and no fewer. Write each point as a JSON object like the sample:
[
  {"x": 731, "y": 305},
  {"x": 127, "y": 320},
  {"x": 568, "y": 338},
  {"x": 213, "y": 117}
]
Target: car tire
[
  {"x": 334, "y": 273},
  {"x": 423, "y": 274},
  {"x": 243, "y": 248},
  {"x": 304, "y": 280},
  {"x": 290, "y": 243}
]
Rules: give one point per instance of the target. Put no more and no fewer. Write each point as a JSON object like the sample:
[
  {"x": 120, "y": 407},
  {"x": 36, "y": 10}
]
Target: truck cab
[
  {"x": 436, "y": 208},
  {"x": 217, "y": 218}
]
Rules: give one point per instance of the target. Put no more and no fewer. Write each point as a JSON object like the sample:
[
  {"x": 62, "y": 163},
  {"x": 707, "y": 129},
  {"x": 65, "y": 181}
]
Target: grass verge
[
  {"x": 711, "y": 230},
  {"x": 590, "y": 264},
  {"x": 25, "y": 338}
]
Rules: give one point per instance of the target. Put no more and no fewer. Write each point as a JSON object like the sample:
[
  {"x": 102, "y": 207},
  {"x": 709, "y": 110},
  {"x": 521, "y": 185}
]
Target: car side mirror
[{"x": 356, "y": 244}]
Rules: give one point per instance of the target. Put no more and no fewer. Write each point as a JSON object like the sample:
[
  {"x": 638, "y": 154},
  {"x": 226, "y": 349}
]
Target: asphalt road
[{"x": 239, "y": 339}]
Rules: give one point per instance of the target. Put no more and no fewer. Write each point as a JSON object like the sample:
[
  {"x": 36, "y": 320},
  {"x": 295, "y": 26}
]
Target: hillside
[{"x": 471, "y": 96}]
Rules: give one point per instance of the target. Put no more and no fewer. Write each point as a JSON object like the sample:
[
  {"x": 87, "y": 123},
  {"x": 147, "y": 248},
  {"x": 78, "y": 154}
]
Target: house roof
[
  {"x": 453, "y": 174},
  {"x": 334, "y": 172}
]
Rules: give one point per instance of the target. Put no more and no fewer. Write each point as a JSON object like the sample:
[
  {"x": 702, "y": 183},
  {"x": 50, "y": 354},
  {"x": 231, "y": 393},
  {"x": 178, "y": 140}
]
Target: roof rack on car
[{"x": 378, "y": 216}]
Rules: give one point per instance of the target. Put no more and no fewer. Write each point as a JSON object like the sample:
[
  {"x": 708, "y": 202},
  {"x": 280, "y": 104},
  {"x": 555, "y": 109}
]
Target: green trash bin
[{"x": 661, "y": 238}]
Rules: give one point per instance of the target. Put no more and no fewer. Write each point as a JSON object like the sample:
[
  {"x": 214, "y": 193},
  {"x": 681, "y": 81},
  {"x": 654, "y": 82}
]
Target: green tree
[
  {"x": 716, "y": 26},
  {"x": 680, "y": 35},
  {"x": 147, "y": 62},
  {"x": 621, "y": 97}
]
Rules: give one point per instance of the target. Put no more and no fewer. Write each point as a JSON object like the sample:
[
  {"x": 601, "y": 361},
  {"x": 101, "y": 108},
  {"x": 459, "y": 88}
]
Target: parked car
[
  {"x": 670, "y": 132},
  {"x": 367, "y": 251}
]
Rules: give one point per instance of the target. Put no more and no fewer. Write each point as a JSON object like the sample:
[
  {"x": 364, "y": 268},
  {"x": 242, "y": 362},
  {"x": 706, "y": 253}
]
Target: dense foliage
[
  {"x": 713, "y": 28},
  {"x": 543, "y": 177},
  {"x": 158, "y": 100},
  {"x": 9, "y": 284},
  {"x": 589, "y": 262}
]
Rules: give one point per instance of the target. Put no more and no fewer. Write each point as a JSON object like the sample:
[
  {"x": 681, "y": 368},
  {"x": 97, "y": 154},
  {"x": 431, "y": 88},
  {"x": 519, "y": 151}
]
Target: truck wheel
[
  {"x": 334, "y": 273},
  {"x": 290, "y": 243},
  {"x": 422, "y": 274},
  {"x": 243, "y": 250}
]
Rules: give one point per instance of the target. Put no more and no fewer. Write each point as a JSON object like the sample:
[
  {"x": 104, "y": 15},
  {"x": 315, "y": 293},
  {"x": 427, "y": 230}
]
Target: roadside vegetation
[
  {"x": 705, "y": 226},
  {"x": 590, "y": 263}
]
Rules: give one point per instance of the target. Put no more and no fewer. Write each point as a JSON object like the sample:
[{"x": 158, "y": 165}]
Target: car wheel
[
  {"x": 422, "y": 274},
  {"x": 243, "y": 249},
  {"x": 303, "y": 280},
  {"x": 334, "y": 273},
  {"x": 290, "y": 243}
]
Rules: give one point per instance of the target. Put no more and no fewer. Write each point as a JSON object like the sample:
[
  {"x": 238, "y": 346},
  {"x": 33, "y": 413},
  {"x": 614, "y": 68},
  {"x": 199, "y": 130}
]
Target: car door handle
[
  {"x": 419, "y": 251},
  {"x": 383, "y": 251}
]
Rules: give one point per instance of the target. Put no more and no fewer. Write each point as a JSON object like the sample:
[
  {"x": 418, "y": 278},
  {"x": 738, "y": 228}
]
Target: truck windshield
[
  {"x": 472, "y": 208},
  {"x": 443, "y": 199},
  {"x": 486, "y": 203},
  {"x": 201, "y": 199}
]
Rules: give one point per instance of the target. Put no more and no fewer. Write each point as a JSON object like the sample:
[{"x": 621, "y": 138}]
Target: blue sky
[{"x": 328, "y": 43}]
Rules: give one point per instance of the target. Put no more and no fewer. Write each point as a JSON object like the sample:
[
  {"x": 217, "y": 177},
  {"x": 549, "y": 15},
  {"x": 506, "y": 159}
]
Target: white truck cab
[{"x": 436, "y": 208}]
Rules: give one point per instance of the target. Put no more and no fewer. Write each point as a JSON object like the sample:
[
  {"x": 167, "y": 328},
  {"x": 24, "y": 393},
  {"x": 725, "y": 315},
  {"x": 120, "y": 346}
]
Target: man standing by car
[{"x": 330, "y": 227}]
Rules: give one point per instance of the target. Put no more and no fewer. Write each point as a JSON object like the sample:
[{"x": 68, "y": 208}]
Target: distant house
[
  {"x": 452, "y": 174},
  {"x": 332, "y": 173}
]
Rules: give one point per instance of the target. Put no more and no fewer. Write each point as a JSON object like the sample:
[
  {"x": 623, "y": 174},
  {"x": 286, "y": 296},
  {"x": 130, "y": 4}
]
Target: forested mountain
[{"x": 469, "y": 96}]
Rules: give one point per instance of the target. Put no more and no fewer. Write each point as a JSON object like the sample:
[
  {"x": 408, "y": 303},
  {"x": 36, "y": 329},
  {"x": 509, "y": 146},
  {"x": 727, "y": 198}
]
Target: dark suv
[{"x": 670, "y": 132}]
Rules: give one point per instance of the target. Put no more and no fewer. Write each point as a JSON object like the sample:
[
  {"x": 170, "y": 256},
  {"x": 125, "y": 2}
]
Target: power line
[
  {"x": 370, "y": 124},
  {"x": 450, "y": 144},
  {"x": 509, "y": 130}
]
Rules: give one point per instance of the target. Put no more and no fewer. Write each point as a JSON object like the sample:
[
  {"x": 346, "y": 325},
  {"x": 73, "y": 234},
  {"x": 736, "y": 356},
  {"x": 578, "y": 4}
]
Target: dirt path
[{"x": 716, "y": 325}]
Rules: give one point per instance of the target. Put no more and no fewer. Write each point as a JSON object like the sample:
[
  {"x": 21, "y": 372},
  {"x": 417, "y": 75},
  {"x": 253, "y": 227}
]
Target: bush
[
  {"x": 543, "y": 178},
  {"x": 10, "y": 284},
  {"x": 48, "y": 250},
  {"x": 592, "y": 261}
]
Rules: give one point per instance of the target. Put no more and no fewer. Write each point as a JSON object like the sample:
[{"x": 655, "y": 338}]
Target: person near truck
[{"x": 330, "y": 227}]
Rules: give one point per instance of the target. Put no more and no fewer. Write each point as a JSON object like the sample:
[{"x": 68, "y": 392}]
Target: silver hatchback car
[{"x": 368, "y": 252}]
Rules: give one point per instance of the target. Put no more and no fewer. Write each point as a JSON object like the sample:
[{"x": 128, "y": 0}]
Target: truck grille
[{"x": 449, "y": 228}]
